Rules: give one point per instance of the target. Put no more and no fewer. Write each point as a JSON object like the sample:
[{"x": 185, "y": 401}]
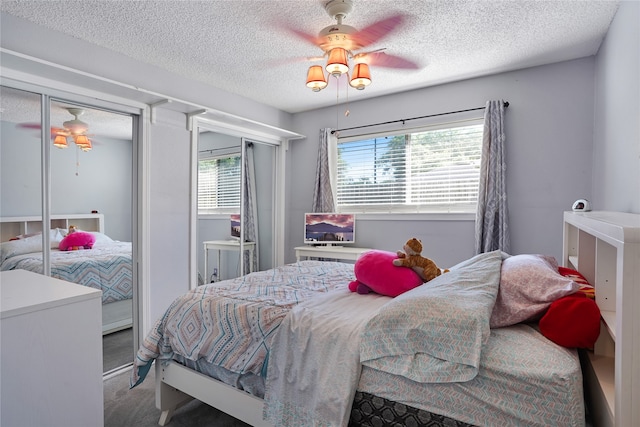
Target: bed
[
  {"x": 293, "y": 346},
  {"x": 107, "y": 266}
]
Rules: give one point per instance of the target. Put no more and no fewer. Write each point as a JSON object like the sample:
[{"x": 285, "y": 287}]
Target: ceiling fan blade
[
  {"x": 29, "y": 125},
  {"x": 378, "y": 30},
  {"x": 38, "y": 126},
  {"x": 313, "y": 39},
  {"x": 381, "y": 59},
  {"x": 288, "y": 61}
]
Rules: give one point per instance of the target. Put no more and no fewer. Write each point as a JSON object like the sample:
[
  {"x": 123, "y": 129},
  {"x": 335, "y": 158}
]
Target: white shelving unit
[
  {"x": 15, "y": 226},
  {"x": 605, "y": 248}
]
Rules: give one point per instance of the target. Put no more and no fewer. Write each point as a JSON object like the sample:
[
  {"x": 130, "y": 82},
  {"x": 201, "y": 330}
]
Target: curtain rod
[{"x": 506, "y": 104}]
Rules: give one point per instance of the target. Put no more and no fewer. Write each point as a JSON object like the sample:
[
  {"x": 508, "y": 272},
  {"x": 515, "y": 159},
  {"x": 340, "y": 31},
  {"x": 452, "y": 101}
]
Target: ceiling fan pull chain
[
  {"x": 346, "y": 91},
  {"x": 77, "y": 161}
]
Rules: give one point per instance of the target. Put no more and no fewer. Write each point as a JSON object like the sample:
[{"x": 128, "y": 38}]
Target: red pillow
[
  {"x": 585, "y": 287},
  {"x": 572, "y": 321}
]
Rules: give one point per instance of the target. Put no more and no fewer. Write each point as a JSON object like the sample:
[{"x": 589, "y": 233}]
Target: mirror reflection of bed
[
  {"x": 106, "y": 266},
  {"x": 71, "y": 180}
]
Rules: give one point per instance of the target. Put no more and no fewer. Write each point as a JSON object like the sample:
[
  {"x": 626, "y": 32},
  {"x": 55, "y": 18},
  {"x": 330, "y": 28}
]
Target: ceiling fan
[
  {"x": 341, "y": 43},
  {"x": 74, "y": 128}
]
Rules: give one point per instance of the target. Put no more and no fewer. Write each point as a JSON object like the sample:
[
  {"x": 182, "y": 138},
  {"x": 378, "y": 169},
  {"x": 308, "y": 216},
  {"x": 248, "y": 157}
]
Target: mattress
[
  {"x": 107, "y": 267},
  {"x": 522, "y": 376},
  {"x": 524, "y": 380}
]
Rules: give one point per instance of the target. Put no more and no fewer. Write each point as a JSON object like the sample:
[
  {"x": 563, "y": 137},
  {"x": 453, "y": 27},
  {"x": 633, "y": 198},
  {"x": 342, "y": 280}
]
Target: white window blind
[
  {"x": 425, "y": 170},
  {"x": 219, "y": 184}
]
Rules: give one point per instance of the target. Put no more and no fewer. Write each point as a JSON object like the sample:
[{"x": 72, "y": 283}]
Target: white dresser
[{"x": 50, "y": 352}]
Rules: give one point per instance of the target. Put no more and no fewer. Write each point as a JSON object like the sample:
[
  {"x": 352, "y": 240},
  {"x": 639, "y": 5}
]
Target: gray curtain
[
  {"x": 250, "y": 214},
  {"x": 492, "y": 225},
  {"x": 323, "y": 200}
]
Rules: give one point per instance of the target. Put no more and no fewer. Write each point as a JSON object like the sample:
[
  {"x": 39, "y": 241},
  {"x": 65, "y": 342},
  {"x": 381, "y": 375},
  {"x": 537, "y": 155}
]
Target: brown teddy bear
[{"x": 411, "y": 258}]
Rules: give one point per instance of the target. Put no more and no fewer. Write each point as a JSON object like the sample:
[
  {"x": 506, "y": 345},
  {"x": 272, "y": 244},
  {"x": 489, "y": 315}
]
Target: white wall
[
  {"x": 549, "y": 126},
  {"x": 616, "y": 160},
  {"x": 169, "y": 202}
]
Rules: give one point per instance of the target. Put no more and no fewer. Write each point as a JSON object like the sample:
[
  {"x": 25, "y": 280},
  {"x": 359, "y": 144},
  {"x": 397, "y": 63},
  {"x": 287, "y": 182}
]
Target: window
[
  {"x": 427, "y": 170},
  {"x": 219, "y": 184}
]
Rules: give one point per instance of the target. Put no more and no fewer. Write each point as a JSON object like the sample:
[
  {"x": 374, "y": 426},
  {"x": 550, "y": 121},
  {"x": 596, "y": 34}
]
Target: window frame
[{"x": 460, "y": 211}]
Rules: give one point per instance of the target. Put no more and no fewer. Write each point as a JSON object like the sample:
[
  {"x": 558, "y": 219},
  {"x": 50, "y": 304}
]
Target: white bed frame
[
  {"x": 116, "y": 315},
  {"x": 177, "y": 385},
  {"x": 605, "y": 248}
]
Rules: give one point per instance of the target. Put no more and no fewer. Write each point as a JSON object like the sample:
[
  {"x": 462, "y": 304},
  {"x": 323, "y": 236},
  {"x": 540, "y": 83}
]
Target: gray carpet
[
  {"x": 117, "y": 349},
  {"x": 136, "y": 407}
]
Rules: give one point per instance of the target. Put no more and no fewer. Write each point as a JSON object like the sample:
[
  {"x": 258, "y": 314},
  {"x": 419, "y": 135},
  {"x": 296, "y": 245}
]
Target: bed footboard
[{"x": 177, "y": 385}]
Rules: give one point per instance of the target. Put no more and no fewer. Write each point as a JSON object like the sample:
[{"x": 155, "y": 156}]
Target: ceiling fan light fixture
[
  {"x": 83, "y": 142},
  {"x": 337, "y": 63},
  {"x": 316, "y": 80},
  {"x": 60, "y": 141},
  {"x": 361, "y": 77},
  {"x": 75, "y": 126}
]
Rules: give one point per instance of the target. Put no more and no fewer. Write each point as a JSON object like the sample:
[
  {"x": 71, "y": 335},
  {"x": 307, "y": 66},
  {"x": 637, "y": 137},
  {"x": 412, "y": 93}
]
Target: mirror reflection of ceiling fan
[
  {"x": 74, "y": 130},
  {"x": 343, "y": 43}
]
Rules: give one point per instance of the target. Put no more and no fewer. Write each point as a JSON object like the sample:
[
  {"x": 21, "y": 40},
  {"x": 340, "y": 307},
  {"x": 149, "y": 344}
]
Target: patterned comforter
[
  {"x": 107, "y": 267},
  {"x": 316, "y": 337},
  {"x": 231, "y": 324}
]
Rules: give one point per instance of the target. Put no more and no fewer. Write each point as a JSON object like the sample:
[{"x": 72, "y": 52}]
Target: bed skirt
[{"x": 372, "y": 411}]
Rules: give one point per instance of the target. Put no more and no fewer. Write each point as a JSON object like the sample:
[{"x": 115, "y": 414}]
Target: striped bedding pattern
[{"x": 107, "y": 267}]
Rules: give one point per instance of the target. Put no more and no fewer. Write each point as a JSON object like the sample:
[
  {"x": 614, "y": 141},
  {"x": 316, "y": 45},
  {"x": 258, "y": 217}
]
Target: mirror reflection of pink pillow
[{"x": 76, "y": 241}]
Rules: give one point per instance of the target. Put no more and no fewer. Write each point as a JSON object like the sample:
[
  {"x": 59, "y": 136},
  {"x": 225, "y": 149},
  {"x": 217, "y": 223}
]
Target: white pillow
[
  {"x": 21, "y": 246},
  {"x": 529, "y": 283},
  {"x": 101, "y": 238}
]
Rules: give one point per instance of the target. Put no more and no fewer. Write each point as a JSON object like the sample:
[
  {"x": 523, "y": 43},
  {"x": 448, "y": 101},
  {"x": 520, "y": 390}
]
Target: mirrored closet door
[
  {"x": 87, "y": 161},
  {"x": 235, "y": 204}
]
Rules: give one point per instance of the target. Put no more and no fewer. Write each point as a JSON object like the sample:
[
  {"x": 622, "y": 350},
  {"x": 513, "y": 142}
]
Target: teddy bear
[{"x": 411, "y": 257}]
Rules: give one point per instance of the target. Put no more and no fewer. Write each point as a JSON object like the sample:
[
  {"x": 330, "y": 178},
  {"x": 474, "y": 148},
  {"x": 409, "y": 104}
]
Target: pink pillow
[
  {"x": 375, "y": 272},
  {"x": 528, "y": 285},
  {"x": 77, "y": 240}
]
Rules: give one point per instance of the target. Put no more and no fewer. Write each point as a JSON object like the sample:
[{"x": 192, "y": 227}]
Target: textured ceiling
[{"x": 239, "y": 46}]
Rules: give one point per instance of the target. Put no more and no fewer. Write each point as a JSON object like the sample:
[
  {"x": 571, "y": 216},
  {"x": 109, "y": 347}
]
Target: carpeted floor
[
  {"x": 136, "y": 407},
  {"x": 117, "y": 349}
]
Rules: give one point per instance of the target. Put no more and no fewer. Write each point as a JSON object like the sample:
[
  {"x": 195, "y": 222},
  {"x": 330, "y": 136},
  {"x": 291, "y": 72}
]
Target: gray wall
[
  {"x": 102, "y": 183},
  {"x": 549, "y": 126},
  {"x": 616, "y": 160}
]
